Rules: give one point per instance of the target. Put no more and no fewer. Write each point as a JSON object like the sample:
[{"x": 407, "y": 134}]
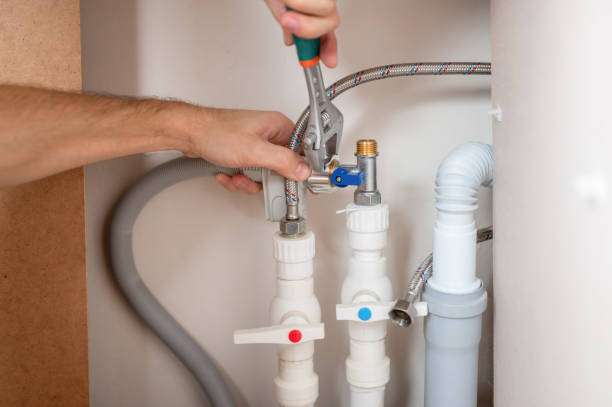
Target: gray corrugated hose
[{"x": 121, "y": 256}]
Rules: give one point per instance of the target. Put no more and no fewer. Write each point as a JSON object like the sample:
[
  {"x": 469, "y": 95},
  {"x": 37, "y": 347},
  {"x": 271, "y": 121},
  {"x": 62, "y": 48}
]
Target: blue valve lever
[{"x": 343, "y": 177}]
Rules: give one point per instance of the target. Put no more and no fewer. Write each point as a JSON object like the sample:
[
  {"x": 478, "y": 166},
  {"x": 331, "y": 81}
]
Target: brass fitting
[
  {"x": 367, "y": 193},
  {"x": 367, "y": 147}
]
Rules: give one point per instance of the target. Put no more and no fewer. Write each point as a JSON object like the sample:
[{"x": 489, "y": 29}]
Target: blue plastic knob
[{"x": 364, "y": 314}]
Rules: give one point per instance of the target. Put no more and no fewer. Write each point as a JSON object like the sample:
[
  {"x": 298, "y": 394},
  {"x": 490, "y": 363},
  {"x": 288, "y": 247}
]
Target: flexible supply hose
[
  {"x": 121, "y": 256},
  {"x": 372, "y": 74},
  {"x": 420, "y": 277}
]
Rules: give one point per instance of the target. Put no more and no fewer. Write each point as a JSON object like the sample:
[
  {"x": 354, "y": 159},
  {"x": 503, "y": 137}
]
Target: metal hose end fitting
[
  {"x": 401, "y": 313},
  {"x": 293, "y": 227}
]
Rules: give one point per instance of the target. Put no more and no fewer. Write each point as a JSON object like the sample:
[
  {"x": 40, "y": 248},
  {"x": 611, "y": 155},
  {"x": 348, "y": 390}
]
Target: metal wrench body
[{"x": 322, "y": 142}]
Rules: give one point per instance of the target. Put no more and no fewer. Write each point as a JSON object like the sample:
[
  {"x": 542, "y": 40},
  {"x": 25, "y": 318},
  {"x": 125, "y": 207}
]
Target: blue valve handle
[{"x": 343, "y": 177}]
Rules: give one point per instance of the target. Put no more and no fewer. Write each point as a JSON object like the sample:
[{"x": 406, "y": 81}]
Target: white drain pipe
[
  {"x": 366, "y": 296},
  {"x": 455, "y": 296},
  {"x": 454, "y": 257},
  {"x": 296, "y": 322}
]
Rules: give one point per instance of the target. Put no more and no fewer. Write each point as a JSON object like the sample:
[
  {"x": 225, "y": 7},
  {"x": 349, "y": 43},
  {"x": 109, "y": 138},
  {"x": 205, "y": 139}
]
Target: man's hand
[
  {"x": 43, "y": 132},
  {"x": 309, "y": 19},
  {"x": 242, "y": 138}
]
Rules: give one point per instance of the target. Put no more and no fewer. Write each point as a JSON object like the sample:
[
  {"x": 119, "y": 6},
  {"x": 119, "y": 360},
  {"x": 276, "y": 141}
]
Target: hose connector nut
[
  {"x": 367, "y": 198},
  {"x": 293, "y": 227},
  {"x": 401, "y": 313}
]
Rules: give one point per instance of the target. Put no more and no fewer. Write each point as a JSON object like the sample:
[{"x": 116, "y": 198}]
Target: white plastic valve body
[
  {"x": 295, "y": 316},
  {"x": 297, "y": 384},
  {"x": 366, "y": 298}
]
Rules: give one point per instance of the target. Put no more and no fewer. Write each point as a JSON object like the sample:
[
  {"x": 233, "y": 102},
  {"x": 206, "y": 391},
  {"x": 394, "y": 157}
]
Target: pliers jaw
[{"x": 324, "y": 135}]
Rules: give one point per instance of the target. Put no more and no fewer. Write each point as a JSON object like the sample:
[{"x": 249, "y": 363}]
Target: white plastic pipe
[
  {"x": 455, "y": 297},
  {"x": 367, "y": 286},
  {"x": 297, "y": 384},
  {"x": 361, "y": 397},
  {"x": 460, "y": 174}
]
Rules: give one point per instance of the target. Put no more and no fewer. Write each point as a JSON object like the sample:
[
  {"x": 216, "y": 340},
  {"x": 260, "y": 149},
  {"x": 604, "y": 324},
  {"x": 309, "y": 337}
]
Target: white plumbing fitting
[
  {"x": 454, "y": 258},
  {"x": 366, "y": 300},
  {"x": 454, "y": 295},
  {"x": 295, "y": 315}
]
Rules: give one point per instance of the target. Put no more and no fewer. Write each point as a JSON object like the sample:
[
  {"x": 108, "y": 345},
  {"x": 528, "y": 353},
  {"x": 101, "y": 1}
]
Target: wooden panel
[{"x": 43, "y": 303}]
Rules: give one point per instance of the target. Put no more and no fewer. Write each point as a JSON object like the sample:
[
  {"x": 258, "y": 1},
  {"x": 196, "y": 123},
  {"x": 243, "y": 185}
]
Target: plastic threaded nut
[
  {"x": 367, "y": 147},
  {"x": 367, "y": 220},
  {"x": 295, "y": 248}
]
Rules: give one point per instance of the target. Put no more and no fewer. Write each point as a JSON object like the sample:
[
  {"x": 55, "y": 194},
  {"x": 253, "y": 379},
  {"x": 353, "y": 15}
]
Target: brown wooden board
[{"x": 43, "y": 297}]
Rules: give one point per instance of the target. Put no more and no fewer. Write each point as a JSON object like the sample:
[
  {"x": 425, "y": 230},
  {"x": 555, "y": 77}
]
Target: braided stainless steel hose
[
  {"x": 368, "y": 75},
  {"x": 401, "y": 314},
  {"x": 484, "y": 234}
]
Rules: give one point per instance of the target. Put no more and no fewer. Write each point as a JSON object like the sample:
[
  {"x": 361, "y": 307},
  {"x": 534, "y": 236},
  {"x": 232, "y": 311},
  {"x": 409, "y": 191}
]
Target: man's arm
[{"x": 43, "y": 132}]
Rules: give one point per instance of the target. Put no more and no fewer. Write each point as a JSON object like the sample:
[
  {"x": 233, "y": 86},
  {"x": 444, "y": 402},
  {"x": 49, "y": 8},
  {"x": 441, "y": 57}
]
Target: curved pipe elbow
[{"x": 461, "y": 173}]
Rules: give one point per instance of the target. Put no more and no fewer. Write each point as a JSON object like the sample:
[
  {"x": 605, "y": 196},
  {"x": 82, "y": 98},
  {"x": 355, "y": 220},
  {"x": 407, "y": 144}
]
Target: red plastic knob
[{"x": 295, "y": 336}]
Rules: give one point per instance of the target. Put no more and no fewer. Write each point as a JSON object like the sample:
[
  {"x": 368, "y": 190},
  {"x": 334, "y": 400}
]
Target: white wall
[
  {"x": 553, "y": 178},
  {"x": 206, "y": 252}
]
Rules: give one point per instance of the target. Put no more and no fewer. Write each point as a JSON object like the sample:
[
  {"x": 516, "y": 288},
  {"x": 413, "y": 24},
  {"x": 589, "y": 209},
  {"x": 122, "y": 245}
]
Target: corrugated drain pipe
[{"x": 455, "y": 297}]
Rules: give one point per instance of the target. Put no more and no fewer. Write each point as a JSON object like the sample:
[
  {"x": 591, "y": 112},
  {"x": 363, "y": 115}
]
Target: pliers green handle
[
  {"x": 307, "y": 50},
  {"x": 324, "y": 134}
]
